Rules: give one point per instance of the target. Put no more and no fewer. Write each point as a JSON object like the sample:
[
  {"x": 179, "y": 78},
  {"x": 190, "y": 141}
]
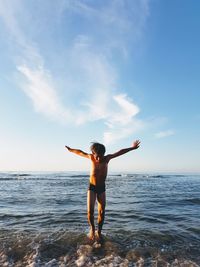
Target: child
[{"x": 98, "y": 173}]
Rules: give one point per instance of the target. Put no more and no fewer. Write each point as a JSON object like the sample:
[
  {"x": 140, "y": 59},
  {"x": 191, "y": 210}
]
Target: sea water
[{"x": 151, "y": 220}]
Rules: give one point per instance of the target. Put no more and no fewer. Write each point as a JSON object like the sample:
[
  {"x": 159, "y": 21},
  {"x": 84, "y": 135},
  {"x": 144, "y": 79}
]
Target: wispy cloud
[
  {"x": 122, "y": 122},
  {"x": 38, "y": 87},
  {"x": 164, "y": 134},
  {"x": 37, "y": 83},
  {"x": 89, "y": 56},
  {"x": 118, "y": 23}
]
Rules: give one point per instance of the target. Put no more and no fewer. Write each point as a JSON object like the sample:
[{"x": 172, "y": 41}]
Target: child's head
[{"x": 98, "y": 149}]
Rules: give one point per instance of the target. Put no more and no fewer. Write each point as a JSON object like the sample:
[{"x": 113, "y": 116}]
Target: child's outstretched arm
[
  {"x": 135, "y": 145},
  {"x": 78, "y": 152}
]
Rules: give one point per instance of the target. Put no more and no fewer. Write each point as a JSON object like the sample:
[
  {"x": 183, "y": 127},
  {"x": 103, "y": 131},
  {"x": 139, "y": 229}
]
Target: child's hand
[
  {"x": 136, "y": 144},
  {"x": 68, "y": 148}
]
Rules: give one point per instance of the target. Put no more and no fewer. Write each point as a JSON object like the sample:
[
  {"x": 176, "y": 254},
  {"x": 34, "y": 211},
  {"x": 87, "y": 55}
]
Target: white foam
[
  {"x": 81, "y": 260},
  {"x": 112, "y": 261},
  {"x": 183, "y": 263},
  {"x": 3, "y": 259},
  {"x": 84, "y": 252},
  {"x": 96, "y": 245},
  {"x": 51, "y": 263},
  {"x": 140, "y": 262},
  {"x": 33, "y": 260}
]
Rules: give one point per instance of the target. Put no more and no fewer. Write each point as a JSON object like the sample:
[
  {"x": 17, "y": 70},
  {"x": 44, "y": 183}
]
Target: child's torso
[{"x": 98, "y": 171}]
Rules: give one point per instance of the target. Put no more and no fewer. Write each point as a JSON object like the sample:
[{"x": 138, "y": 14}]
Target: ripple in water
[{"x": 151, "y": 220}]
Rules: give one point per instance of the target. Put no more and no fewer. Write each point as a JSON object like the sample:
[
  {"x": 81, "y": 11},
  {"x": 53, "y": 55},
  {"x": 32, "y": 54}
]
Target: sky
[{"x": 112, "y": 71}]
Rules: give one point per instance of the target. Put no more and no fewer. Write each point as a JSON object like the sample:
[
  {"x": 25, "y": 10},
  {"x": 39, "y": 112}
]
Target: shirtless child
[{"x": 98, "y": 173}]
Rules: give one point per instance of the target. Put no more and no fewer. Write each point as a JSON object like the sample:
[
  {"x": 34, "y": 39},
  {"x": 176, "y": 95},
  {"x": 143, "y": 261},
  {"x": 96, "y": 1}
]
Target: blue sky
[{"x": 73, "y": 72}]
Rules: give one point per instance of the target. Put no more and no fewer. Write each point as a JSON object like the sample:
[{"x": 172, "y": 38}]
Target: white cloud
[
  {"x": 122, "y": 121},
  {"x": 128, "y": 109},
  {"x": 164, "y": 134},
  {"x": 116, "y": 133},
  {"x": 91, "y": 72},
  {"x": 38, "y": 87}
]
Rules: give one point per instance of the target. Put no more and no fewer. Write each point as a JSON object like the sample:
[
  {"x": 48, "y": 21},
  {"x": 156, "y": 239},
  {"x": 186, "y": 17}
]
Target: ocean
[{"x": 151, "y": 220}]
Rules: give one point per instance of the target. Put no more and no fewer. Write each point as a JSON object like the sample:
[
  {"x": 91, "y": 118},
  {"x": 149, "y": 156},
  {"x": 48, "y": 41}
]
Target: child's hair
[{"x": 98, "y": 148}]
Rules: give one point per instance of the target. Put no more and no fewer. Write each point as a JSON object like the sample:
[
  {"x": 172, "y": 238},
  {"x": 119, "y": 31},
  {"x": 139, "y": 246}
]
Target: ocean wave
[
  {"x": 49, "y": 202},
  {"x": 32, "y": 178},
  {"x": 192, "y": 201},
  {"x": 22, "y": 177},
  {"x": 79, "y": 175},
  {"x": 158, "y": 176},
  {"x": 75, "y": 249}
]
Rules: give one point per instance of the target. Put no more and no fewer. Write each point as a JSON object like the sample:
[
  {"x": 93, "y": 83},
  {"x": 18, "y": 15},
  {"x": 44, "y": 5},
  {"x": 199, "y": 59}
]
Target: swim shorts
[{"x": 97, "y": 189}]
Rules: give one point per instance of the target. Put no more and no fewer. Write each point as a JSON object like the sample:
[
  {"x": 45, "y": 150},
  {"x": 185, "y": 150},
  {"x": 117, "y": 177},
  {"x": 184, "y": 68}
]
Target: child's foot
[
  {"x": 98, "y": 236},
  {"x": 91, "y": 235}
]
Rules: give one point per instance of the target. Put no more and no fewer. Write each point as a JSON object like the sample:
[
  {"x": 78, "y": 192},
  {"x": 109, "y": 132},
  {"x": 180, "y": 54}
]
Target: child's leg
[
  {"x": 91, "y": 198},
  {"x": 101, "y": 211}
]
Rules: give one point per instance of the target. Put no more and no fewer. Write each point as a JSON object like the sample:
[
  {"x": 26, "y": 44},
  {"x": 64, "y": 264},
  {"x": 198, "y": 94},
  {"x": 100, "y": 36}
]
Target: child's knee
[{"x": 101, "y": 212}]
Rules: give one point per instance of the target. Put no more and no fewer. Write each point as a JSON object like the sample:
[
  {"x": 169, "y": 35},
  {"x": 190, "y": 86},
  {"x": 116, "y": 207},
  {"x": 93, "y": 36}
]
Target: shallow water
[{"x": 151, "y": 220}]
